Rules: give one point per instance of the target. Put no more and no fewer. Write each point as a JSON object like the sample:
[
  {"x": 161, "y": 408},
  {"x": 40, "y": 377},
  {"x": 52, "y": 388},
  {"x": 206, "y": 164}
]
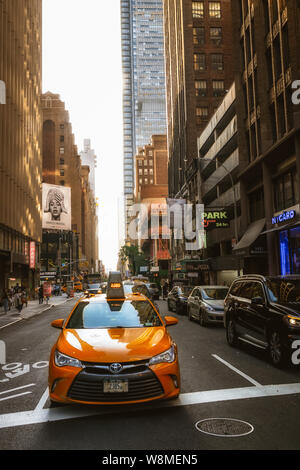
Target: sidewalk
[{"x": 33, "y": 308}]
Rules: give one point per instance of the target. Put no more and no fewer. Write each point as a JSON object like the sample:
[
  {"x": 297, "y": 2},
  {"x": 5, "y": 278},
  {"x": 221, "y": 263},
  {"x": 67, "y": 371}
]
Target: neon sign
[{"x": 289, "y": 215}]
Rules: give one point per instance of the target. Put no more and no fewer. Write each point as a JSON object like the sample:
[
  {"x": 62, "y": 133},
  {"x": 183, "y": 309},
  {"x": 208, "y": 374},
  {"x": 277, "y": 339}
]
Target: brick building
[
  {"x": 151, "y": 173},
  {"x": 62, "y": 167},
  {"x": 267, "y": 63},
  {"x": 20, "y": 142},
  {"x": 198, "y": 54}
]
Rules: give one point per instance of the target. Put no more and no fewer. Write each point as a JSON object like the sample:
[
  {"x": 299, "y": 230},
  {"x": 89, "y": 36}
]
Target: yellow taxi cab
[{"x": 113, "y": 349}]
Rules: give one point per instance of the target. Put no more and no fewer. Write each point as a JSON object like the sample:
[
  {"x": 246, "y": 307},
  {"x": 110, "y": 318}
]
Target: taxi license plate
[{"x": 115, "y": 386}]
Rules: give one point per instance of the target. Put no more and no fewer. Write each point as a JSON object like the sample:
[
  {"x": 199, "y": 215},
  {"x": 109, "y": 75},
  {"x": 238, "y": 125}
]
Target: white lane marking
[
  {"x": 15, "y": 396},
  {"x": 43, "y": 400},
  {"x": 15, "y": 389},
  {"x": 12, "y": 323},
  {"x": 237, "y": 371},
  {"x": 186, "y": 399}
]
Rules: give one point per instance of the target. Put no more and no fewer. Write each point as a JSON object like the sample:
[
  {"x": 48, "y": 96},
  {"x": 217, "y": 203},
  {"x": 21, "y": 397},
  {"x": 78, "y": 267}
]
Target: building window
[
  {"x": 145, "y": 171},
  {"x": 61, "y": 161},
  {"x": 218, "y": 87},
  {"x": 62, "y": 172},
  {"x": 62, "y": 150},
  {"x": 61, "y": 138},
  {"x": 151, "y": 181},
  {"x": 146, "y": 180},
  {"x": 151, "y": 171},
  {"x": 199, "y": 36},
  {"x": 256, "y": 205},
  {"x": 62, "y": 183},
  {"x": 217, "y": 62},
  {"x": 201, "y": 114},
  {"x": 286, "y": 190},
  {"x": 201, "y": 87},
  {"x": 140, "y": 171},
  {"x": 216, "y": 36},
  {"x": 145, "y": 162},
  {"x": 141, "y": 181},
  {"x": 62, "y": 126},
  {"x": 140, "y": 162},
  {"x": 214, "y": 9},
  {"x": 198, "y": 9},
  {"x": 199, "y": 62},
  {"x": 150, "y": 162}
]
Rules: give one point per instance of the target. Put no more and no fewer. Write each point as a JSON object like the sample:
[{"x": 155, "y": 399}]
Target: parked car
[
  {"x": 154, "y": 290},
  {"x": 206, "y": 304},
  {"x": 265, "y": 312},
  {"x": 177, "y": 299}
]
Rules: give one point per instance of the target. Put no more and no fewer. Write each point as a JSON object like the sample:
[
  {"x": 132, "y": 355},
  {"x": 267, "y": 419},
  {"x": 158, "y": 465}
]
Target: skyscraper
[
  {"x": 144, "y": 112},
  {"x": 20, "y": 142}
]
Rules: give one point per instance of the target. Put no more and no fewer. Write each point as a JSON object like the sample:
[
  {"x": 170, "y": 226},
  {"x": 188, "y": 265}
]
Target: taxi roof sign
[{"x": 115, "y": 288}]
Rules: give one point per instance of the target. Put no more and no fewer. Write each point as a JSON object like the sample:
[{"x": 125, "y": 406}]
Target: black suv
[{"x": 265, "y": 312}]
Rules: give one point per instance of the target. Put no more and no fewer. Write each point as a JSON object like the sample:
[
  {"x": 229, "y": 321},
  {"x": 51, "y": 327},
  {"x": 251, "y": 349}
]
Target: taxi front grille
[{"x": 89, "y": 387}]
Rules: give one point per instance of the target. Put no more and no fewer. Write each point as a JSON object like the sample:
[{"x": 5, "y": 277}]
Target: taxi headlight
[
  {"x": 292, "y": 321},
  {"x": 62, "y": 360},
  {"x": 167, "y": 356}
]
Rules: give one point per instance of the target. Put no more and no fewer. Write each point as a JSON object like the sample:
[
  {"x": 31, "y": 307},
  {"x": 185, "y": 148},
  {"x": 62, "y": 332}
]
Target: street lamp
[{"x": 234, "y": 200}]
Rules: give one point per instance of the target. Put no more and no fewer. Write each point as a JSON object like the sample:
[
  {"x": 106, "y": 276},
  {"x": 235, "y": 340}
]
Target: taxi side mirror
[
  {"x": 169, "y": 321},
  {"x": 58, "y": 323}
]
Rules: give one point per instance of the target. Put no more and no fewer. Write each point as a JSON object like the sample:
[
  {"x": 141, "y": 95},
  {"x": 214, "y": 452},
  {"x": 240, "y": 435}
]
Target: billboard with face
[{"x": 56, "y": 207}]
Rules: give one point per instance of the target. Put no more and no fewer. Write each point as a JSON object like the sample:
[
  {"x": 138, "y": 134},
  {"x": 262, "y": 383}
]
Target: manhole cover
[{"x": 224, "y": 427}]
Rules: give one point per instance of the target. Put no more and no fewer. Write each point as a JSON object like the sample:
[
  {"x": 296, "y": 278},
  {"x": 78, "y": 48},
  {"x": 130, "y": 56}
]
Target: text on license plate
[{"x": 115, "y": 386}]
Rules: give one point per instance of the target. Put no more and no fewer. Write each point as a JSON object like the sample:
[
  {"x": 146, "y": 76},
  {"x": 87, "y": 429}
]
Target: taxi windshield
[{"x": 114, "y": 314}]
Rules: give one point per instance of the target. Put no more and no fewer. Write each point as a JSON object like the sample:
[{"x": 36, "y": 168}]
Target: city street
[{"x": 217, "y": 382}]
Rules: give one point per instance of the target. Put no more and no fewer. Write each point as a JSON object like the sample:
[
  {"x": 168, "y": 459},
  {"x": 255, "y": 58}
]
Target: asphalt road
[{"x": 217, "y": 382}]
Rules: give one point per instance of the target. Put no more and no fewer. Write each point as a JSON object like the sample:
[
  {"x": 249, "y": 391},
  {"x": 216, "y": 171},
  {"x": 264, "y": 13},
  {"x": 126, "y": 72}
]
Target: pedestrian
[
  {"x": 5, "y": 301},
  {"x": 41, "y": 295},
  {"x": 165, "y": 290},
  {"x": 24, "y": 299},
  {"x": 18, "y": 300}
]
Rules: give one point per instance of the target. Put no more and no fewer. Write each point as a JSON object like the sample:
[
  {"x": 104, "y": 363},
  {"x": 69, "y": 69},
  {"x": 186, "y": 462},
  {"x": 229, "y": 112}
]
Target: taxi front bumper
[{"x": 86, "y": 385}]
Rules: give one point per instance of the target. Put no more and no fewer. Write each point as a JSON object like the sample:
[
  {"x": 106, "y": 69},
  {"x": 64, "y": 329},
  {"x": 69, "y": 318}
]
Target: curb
[{"x": 37, "y": 313}]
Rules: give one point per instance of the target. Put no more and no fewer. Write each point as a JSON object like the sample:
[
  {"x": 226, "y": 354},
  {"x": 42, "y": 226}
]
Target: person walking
[
  {"x": 18, "y": 300},
  {"x": 24, "y": 299},
  {"x": 5, "y": 301},
  {"x": 41, "y": 295}
]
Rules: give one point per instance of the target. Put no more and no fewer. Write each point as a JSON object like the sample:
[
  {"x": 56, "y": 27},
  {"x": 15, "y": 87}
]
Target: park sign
[{"x": 216, "y": 218}]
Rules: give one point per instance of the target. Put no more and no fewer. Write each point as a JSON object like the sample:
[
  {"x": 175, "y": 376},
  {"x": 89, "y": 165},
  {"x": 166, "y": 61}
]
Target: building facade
[
  {"x": 144, "y": 112},
  {"x": 220, "y": 193},
  {"x": 151, "y": 189},
  {"x": 20, "y": 142},
  {"x": 88, "y": 157},
  {"x": 62, "y": 167},
  {"x": 267, "y": 64},
  {"x": 198, "y": 52}
]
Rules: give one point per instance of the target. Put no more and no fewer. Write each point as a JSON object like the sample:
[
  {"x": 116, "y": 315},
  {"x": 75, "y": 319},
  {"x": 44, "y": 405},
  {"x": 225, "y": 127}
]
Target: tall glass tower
[{"x": 144, "y": 104}]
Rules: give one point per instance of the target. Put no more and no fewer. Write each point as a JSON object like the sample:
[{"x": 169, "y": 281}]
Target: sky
[{"x": 82, "y": 63}]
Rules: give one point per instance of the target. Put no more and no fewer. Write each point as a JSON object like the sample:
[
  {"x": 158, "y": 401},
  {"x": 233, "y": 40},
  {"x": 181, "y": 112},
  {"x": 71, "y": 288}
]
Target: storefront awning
[
  {"x": 283, "y": 227},
  {"x": 249, "y": 237}
]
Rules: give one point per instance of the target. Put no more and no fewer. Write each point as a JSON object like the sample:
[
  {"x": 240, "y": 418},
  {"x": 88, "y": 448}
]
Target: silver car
[{"x": 206, "y": 304}]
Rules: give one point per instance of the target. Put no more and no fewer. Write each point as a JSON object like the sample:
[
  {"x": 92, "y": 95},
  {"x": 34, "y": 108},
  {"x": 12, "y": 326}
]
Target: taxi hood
[{"x": 114, "y": 344}]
